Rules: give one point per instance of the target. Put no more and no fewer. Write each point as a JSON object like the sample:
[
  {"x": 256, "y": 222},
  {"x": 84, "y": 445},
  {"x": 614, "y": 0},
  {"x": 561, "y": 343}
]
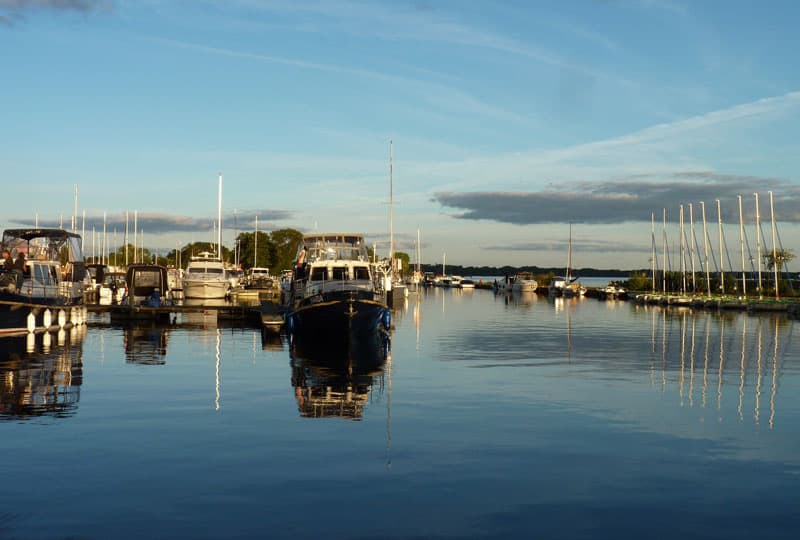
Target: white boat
[
  {"x": 521, "y": 282},
  {"x": 466, "y": 283},
  {"x": 259, "y": 278},
  {"x": 113, "y": 288},
  {"x": 37, "y": 292},
  {"x": 205, "y": 278}
]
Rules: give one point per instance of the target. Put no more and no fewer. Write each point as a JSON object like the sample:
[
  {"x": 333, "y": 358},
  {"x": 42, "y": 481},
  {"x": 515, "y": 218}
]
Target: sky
[{"x": 510, "y": 123}]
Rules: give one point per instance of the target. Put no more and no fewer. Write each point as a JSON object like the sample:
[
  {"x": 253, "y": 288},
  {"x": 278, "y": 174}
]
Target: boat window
[
  {"x": 42, "y": 275},
  {"x": 340, "y": 272},
  {"x": 360, "y": 272},
  {"x": 213, "y": 270},
  {"x": 319, "y": 273}
]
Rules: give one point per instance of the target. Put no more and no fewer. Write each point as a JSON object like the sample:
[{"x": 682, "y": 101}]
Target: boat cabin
[{"x": 147, "y": 283}]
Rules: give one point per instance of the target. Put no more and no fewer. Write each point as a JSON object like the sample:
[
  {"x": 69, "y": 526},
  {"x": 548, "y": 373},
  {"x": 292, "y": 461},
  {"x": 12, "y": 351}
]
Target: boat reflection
[
  {"x": 335, "y": 381},
  {"x": 146, "y": 344},
  {"x": 41, "y": 374}
]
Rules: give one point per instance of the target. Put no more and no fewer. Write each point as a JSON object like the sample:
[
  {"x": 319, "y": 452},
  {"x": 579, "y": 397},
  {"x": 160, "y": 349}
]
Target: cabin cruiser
[
  {"x": 333, "y": 293},
  {"x": 565, "y": 286},
  {"x": 205, "y": 278},
  {"x": 258, "y": 278},
  {"x": 521, "y": 282},
  {"x": 45, "y": 285}
]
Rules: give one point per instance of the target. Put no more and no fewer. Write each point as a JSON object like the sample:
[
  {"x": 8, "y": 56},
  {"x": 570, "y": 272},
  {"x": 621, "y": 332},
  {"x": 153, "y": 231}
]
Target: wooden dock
[{"x": 266, "y": 313}]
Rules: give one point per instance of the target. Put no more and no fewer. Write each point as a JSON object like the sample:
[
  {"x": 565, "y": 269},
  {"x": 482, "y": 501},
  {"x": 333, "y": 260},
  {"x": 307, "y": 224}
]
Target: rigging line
[{"x": 711, "y": 250}]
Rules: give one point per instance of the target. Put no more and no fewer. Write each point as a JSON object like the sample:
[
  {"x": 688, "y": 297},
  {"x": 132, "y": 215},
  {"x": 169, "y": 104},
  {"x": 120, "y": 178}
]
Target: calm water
[{"x": 490, "y": 417}]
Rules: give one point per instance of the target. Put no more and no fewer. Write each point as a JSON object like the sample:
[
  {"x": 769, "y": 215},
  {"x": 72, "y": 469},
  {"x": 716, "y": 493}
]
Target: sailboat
[{"x": 566, "y": 285}]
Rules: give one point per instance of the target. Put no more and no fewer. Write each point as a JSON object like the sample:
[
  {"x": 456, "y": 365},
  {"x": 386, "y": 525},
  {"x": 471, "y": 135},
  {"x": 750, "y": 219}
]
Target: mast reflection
[
  {"x": 741, "y": 357},
  {"x": 41, "y": 374},
  {"x": 335, "y": 380}
]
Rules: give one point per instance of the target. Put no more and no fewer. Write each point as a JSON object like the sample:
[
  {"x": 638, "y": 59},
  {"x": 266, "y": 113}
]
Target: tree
[
  {"x": 286, "y": 242},
  {"x": 405, "y": 261},
  {"x": 778, "y": 259}
]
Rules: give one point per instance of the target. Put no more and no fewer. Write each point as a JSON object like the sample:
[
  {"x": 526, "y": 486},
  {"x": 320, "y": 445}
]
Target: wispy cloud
[
  {"x": 13, "y": 12},
  {"x": 628, "y": 200},
  {"x": 439, "y": 96}
]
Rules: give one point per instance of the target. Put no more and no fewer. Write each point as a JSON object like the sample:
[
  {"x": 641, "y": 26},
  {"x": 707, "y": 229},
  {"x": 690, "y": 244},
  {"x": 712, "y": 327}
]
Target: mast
[
  {"x": 569, "y": 257},
  {"x": 664, "y": 256},
  {"x": 741, "y": 242},
  {"x": 419, "y": 255},
  {"x": 219, "y": 219},
  {"x": 255, "y": 248},
  {"x": 653, "y": 245},
  {"x": 104, "y": 253},
  {"x": 682, "y": 245},
  {"x": 774, "y": 247},
  {"x": 126, "y": 238},
  {"x": 721, "y": 265},
  {"x": 705, "y": 242},
  {"x": 444, "y": 258},
  {"x": 75, "y": 211},
  {"x": 135, "y": 231},
  {"x": 758, "y": 244},
  {"x": 692, "y": 242},
  {"x": 391, "y": 206}
]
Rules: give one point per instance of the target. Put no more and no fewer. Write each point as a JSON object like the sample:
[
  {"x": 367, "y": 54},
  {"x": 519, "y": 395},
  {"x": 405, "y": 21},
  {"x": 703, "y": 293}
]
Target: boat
[
  {"x": 112, "y": 289},
  {"x": 45, "y": 289},
  {"x": 566, "y": 285},
  {"x": 258, "y": 278},
  {"x": 466, "y": 283},
  {"x": 147, "y": 288},
  {"x": 205, "y": 277},
  {"x": 521, "y": 282},
  {"x": 333, "y": 293}
]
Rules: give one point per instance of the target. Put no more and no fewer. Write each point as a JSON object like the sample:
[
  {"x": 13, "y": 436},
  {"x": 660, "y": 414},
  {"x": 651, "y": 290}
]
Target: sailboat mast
[
  {"x": 391, "y": 205},
  {"x": 721, "y": 265},
  {"x": 255, "y": 248},
  {"x": 219, "y": 219},
  {"x": 774, "y": 247},
  {"x": 705, "y": 243},
  {"x": 741, "y": 242},
  {"x": 569, "y": 256},
  {"x": 758, "y": 244}
]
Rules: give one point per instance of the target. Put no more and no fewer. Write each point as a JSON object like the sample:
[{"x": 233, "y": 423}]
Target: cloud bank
[
  {"x": 632, "y": 199},
  {"x": 160, "y": 223}
]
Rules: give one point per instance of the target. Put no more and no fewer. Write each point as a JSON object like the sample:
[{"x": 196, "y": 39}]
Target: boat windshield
[{"x": 329, "y": 247}]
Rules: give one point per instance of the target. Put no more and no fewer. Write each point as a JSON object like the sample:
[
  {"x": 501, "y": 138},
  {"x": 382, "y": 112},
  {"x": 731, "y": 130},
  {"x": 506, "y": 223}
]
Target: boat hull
[
  {"x": 339, "y": 319},
  {"x": 205, "y": 289}
]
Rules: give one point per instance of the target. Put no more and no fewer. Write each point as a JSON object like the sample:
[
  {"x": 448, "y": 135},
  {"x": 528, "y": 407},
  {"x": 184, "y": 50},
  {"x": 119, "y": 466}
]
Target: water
[{"x": 491, "y": 417}]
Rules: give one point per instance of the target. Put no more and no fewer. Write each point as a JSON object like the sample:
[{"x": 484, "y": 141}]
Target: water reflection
[
  {"x": 336, "y": 380},
  {"x": 41, "y": 374},
  {"x": 146, "y": 344},
  {"x": 717, "y": 351}
]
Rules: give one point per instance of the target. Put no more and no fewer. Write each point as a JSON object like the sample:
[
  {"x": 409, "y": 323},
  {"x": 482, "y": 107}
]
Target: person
[
  {"x": 300, "y": 267},
  {"x": 8, "y": 262},
  {"x": 19, "y": 264}
]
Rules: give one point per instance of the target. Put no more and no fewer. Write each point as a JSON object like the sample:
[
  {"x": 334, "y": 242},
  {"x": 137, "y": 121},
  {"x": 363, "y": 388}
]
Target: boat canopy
[
  {"x": 333, "y": 246},
  {"x": 144, "y": 279},
  {"x": 54, "y": 245}
]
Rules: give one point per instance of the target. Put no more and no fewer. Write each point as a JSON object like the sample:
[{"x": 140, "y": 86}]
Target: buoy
[
  {"x": 30, "y": 343},
  {"x": 31, "y": 322},
  {"x": 73, "y": 317},
  {"x": 46, "y": 340},
  {"x": 48, "y": 319},
  {"x": 62, "y": 318}
]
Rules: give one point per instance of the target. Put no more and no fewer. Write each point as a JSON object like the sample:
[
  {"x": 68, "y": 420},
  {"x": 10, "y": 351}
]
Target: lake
[{"x": 485, "y": 417}]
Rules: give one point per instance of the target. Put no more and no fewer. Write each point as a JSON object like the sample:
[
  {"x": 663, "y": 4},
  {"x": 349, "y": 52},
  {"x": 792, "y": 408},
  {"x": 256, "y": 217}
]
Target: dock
[{"x": 266, "y": 313}]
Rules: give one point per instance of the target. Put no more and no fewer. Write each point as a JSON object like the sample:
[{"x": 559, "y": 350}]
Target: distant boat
[
  {"x": 521, "y": 282},
  {"x": 566, "y": 285},
  {"x": 205, "y": 278},
  {"x": 45, "y": 287},
  {"x": 258, "y": 278},
  {"x": 466, "y": 283}
]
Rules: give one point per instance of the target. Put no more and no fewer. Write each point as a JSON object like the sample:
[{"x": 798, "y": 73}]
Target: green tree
[
  {"x": 405, "y": 261},
  {"x": 266, "y": 256},
  {"x": 286, "y": 242},
  {"x": 778, "y": 259}
]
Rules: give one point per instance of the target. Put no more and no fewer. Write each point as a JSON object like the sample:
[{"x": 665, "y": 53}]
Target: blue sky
[{"x": 509, "y": 120}]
